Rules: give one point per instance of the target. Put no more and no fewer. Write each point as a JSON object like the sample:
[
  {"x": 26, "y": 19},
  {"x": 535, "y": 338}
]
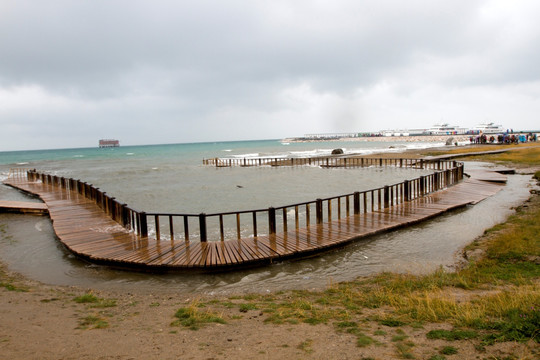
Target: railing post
[
  {"x": 202, "y": 227},
  {"x": 356, "y": 198},
  {"x": 272, "y": 220},
  {"x": 158, "y": 232},
  {"x": 254, "y": 218},
  {"x": 319, "y": 211},
  {"x": 143, "y": 224},
  {"x": 386, "y": 196},
  {"x": 407, "y": 192},
  {"x": 125, "y": 215}
]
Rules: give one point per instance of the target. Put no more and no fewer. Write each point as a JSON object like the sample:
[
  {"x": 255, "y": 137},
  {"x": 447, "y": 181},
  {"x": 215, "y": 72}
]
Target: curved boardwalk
[{"x": 90, "y": 232}]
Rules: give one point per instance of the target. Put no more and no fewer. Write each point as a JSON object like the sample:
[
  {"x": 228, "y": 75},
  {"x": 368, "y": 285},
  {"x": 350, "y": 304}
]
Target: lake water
[{"x": 171, "y": 178}]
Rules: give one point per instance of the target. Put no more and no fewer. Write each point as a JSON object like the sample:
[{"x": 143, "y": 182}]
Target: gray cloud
[{"x": 322, "y": 66}]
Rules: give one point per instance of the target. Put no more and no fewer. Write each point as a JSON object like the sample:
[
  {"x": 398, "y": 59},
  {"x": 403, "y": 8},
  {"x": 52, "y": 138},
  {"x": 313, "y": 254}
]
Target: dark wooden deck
[
  {"x": 86, "y": 230},
  {"x": 23, "y": 207}
]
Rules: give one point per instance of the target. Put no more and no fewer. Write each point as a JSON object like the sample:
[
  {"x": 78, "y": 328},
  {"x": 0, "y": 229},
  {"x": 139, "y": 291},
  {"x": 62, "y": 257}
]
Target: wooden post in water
[
  {"x": 407, "y": 191},
  {"x": 186, "y": 228},
  {"x": 272, "y": 220},
  {"x": 254, "y": 224},
  {"x": 171, "y": 227},
  {"x": 356, "y": 202},
  {"x": 158, "y": 233},
  {"x": 143, "y": 224},
  {"x": 202, "y": 227},
  {"x": 319, "y": 211},
  {"x": 125, "y": 216}
]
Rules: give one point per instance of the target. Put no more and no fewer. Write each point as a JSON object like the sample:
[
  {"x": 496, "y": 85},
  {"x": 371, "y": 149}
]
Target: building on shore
[
  {"x": 330, "y": 136},
  {"x": 108, "y": 143}
]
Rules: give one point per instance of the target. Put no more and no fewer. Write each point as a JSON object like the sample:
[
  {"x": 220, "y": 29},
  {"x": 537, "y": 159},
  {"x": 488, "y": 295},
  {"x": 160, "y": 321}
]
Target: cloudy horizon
[{"x": 72, "y": 72}]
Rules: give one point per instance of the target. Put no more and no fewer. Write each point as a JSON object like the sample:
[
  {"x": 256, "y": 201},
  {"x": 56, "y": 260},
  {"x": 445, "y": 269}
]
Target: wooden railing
[
  {"x": 129, "y": 218},
  {"x": 329, "y": 161},
  {"x": 238, "y": 224}
]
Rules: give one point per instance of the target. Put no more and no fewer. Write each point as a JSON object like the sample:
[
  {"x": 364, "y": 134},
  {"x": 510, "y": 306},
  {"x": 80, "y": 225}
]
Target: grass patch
[
  {"x": 93, "y": 322},
  {"x": 404, "y": 350},
  {"x": 437, "y": 357},
  {"x": 306, "y": 346},
  {"x": 193, "y": 318},
  {"x": 397, "y": 338},
  {"x": 362, "y": 340},
  {"x": 86, "y": 299},
  {"x": 392, "y": 322},
  {"x": 515, "y": 325},
  {"x": 448, "y": 350},
  {"x": 526, "y": 156},
  {"x": 246, "y": 307},
  {"x": 96, "y": 302},
  {"x": 452, "y": 335},
  {"x": 11, "y": 287}
]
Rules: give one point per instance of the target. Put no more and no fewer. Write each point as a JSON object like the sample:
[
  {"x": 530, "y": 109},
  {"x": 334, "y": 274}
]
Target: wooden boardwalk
[
  {"x": 86, "y": 230},
  {"x": 23, "y": 207}
]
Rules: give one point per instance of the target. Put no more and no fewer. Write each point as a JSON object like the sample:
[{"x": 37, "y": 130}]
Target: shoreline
[{"x": 422, "y": 138}]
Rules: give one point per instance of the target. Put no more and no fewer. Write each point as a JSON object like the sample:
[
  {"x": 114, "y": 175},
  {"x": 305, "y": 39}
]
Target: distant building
[
  {"x": 330, "y": 136},
  {"x": 108, "y": 143}
]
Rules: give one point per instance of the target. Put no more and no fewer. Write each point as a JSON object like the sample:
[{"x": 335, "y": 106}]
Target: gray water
[{"x": 28, "y": 246}]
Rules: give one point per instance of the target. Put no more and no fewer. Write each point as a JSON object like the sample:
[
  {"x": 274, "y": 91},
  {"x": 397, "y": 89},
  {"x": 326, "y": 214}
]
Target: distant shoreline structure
[
  {"x": 437, "y": 130},
  {"x": 109, "y": 143}
]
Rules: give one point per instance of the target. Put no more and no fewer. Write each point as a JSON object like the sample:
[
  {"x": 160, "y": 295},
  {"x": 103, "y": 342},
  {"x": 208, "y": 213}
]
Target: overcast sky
[{"x": 149, "y": 72}]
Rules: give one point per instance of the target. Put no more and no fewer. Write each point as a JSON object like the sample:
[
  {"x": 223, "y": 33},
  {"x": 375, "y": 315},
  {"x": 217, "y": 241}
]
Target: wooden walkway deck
[
  {"x": 87, "y": 231},
  {"x": 23, "y": 207}
]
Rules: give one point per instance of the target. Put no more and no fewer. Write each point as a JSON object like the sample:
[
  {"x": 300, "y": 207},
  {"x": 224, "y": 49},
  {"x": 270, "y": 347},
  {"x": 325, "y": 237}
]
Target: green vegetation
[
  {"x": 93, "y": 322},
  {"x": 247, "y": 307},
  {"x": 306, "y": 346},
  {"x": 9, "y": 283},
  {"x": 437, "y": 357},
  {"x": 192, "y": 318},
  {"x": 89, "y": 298},
  {"x": 452, "y": 335},
  {"x": 11, "y": 287},
  {"x": 448, "y": 350}
]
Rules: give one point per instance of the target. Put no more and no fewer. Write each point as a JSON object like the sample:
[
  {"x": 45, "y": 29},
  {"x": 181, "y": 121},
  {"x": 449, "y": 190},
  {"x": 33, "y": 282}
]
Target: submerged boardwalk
[
  {"x": 86, "y": 227},
  {"x": 23, "y": 207}
]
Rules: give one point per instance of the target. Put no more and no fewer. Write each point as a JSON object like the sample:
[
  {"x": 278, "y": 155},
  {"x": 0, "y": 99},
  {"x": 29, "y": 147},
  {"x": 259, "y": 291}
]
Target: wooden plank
[{"x": 23, "y": 207}]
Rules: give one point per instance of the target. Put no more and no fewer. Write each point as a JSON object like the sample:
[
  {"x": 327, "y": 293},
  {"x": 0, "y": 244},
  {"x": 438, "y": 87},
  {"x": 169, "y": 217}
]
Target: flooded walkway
[{"x": 86, "y": 230}]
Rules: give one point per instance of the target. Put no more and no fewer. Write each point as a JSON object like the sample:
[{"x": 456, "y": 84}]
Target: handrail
[{"x": 268, "y": 220}]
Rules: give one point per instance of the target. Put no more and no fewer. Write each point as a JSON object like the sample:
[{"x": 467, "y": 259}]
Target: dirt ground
[{"x": 45, "y": 322}]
